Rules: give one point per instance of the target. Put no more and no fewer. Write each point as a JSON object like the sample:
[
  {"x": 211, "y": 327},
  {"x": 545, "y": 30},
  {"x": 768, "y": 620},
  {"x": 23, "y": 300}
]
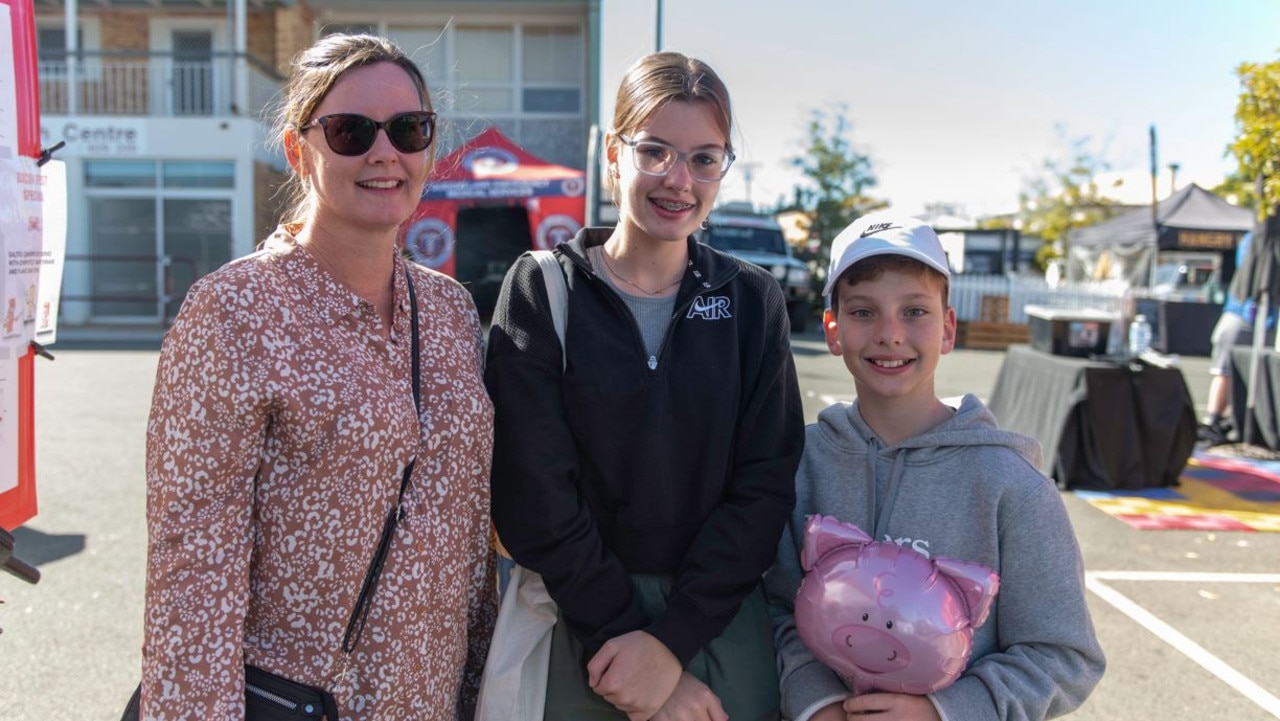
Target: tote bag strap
[{"x": 557, "y": 295}]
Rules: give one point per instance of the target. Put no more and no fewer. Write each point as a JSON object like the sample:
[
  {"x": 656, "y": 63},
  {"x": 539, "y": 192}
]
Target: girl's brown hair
[{"x": 659, "y": 78}]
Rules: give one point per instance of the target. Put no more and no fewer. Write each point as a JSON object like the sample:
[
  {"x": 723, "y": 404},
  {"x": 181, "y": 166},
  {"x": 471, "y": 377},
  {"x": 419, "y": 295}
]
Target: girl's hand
[
  {"x": 635, "y": 672},
  {"x": 693, "y": 701},
  {"x": 890, "y": 707},
  {"x": 834, "y": 712}
]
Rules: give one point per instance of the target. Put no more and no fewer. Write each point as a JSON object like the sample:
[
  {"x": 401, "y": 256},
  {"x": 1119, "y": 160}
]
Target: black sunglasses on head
[{"x": 353, "y": 134}]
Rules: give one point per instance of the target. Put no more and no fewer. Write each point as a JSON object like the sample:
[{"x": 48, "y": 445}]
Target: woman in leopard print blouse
[{"x": 283, "y": 419}]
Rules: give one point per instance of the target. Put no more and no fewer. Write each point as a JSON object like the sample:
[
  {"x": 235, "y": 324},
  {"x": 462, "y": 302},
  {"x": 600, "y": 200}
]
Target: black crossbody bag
[{"x": 271, "y": 697}]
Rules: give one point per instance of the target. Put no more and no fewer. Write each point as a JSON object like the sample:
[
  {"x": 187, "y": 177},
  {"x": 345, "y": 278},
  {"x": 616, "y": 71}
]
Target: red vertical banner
[
  {"x": 23, "y": 30},
  {"x": 20, "y": 111},
  {"x": 18, "y": 504}
]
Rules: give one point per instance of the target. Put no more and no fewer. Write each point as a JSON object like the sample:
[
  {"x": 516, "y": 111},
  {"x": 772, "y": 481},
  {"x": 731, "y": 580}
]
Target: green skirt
[{"x": 738, "y": 666}]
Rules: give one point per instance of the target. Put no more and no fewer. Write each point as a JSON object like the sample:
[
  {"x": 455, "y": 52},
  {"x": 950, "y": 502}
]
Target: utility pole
[
  {"x": 1155, "y": 211},
  {"x": 658, "y": 29},
  {"x": 748, "y": 174}
]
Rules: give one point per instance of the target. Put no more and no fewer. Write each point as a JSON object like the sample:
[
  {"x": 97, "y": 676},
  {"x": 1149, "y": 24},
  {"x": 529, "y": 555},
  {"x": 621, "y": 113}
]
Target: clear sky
[{"x": 960, "y": 101}]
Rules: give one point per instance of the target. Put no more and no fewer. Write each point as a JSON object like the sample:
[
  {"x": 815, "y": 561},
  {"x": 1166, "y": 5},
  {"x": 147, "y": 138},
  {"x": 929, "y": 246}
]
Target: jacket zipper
[{"x": 651, "y": 361}]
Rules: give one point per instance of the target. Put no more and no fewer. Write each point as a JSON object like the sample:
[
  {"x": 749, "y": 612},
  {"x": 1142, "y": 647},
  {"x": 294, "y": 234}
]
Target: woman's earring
[{"x": 704, "y": 225}]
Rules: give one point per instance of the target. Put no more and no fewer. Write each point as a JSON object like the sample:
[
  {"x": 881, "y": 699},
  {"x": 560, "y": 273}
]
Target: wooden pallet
[{"x": 983, "y": 335}]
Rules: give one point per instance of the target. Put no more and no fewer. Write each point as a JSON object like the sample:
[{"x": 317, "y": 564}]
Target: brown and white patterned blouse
[{"x": 280, "y": 427}]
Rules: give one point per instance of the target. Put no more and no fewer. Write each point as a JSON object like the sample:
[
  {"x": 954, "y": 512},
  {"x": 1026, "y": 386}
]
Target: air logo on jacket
[{"x": 712, "y": 307}]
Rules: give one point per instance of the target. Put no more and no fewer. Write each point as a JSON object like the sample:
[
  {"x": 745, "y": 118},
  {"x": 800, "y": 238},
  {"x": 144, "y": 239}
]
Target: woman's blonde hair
[
  {"x": 314, "y": 73},
  {"x": 659, "y": 78}
]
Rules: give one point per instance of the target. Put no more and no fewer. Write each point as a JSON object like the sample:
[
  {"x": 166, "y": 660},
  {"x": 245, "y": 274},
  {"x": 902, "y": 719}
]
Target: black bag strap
[{"x": 359, "y": 614}]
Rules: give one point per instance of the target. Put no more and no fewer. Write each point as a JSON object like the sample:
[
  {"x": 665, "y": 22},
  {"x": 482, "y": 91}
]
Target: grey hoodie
[{"x": 963, "y": 490}]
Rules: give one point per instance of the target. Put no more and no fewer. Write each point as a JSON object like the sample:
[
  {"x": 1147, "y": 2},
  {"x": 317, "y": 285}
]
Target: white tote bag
[{"x": 514, "y": 685}]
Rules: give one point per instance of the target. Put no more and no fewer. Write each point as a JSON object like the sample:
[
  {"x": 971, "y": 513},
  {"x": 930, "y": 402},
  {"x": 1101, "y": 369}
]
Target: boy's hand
[
  {"x": 890, "y": 707},
  {"x": 693, "y": 701},
  {"x": 834, "y": 712},
  {"x": 635, "y": 672}
]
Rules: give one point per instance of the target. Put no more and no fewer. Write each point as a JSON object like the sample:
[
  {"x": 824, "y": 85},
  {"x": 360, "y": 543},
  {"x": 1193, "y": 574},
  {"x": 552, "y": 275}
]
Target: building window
[
  {"x": 51, "y": 37},
  {"x": 527, "y": 78},
  {"x": 51, "y": 48},
  {"x": 154, "y": 228},
  {"x": 553, "y": 66},
  {"x": 120, "y": 174},
  {"x": 199, "y": 174},
  {"x": 486, "y": 65}
]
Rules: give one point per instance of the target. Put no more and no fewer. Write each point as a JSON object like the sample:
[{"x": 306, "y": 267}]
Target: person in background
[
  {"x": 1234, "y": 326},
  {"x": 943, "y": 481},
  {"x": 283, "y": 420},
  {"x": 647, "y": 478}
]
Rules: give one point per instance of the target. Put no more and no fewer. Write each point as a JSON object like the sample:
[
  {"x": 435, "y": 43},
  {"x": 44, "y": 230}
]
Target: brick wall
[
  {"x": 261, "y": 40},
  {"x": 295, "y": 31},
  {"x": 125, "y": 30}
]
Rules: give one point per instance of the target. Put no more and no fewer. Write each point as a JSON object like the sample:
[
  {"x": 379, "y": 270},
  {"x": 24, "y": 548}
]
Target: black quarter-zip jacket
[{"x": 617, "y": 464}]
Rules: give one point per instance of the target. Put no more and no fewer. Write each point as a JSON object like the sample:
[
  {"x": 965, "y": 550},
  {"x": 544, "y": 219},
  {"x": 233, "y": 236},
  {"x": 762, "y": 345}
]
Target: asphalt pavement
[{"x": 1190, "y": 620}]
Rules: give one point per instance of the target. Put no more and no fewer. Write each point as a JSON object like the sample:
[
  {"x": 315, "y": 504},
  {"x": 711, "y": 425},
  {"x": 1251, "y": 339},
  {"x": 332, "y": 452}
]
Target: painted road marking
[{"x": 1094, "y": 581}]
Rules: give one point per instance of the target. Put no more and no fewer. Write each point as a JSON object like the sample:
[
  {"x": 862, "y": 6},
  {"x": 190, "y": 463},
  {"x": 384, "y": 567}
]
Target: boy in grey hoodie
[{"x": 907, "y": 468}]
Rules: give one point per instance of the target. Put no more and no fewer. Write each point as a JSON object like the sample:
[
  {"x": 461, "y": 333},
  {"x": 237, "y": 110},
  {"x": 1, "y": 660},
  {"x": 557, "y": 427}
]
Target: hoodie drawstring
[{"x": 879, "y": 516}]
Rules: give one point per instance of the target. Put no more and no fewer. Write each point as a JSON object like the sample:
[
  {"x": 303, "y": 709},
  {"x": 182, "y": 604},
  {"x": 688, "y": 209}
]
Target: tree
[
  {"x": 1063, "y": 195},
  {"x": 1237, "y": 190},
  {"x": 836, "y": 175},
  {"x": 1257, "y": 145}
]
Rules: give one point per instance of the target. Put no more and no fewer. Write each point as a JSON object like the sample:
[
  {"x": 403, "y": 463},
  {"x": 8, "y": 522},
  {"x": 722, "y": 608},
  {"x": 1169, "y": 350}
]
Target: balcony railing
[{"x": 156, "y": 84}]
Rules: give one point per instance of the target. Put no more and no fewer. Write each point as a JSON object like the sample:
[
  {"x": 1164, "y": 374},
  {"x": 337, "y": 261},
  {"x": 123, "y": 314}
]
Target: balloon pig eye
[
  {"x": 888, "y": 624},
  {"x": 866, "y": 616}
]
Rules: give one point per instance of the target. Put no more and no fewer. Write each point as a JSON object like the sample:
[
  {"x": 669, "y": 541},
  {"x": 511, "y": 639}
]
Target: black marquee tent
[{"x": 1192, "y": 220}]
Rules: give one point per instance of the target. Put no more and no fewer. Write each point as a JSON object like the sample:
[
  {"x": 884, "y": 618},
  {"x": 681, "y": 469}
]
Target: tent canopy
[
  {"x": 492, "y": 167},
  {"x": 1190, "y": 218},
  {"x": 1191, "y": 222},
  {"x": 487, "y": 202}
]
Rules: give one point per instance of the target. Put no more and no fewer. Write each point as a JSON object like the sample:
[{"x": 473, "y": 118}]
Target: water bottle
[{"x": 1139, "y": 335}]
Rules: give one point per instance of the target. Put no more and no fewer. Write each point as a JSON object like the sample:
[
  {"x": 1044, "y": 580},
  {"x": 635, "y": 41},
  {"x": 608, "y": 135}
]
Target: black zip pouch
[{"x": 269, "y": 697}]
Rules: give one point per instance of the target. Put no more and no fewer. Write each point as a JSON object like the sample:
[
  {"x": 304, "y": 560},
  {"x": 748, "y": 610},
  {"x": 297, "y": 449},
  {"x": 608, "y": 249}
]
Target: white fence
[
  {"x": 155, "y": 84},
  {"x": 967, "y": 292}
]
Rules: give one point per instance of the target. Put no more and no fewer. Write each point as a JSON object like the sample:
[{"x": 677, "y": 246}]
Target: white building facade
[{"x": 165, "y": 109}]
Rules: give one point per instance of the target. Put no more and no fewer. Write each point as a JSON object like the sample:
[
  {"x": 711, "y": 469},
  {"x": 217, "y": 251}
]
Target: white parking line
[
  {"x": 1094, "y": 582},
  {"x": 828, "y": 399},
  {"x": 1194, "y": 577}
]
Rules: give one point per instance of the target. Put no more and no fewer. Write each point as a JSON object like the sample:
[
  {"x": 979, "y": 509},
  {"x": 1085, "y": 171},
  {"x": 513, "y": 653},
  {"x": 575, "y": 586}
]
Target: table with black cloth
[
  {"x": 1266, "y": 429},
  {"x": 1180, "y": 327},
  {"x": 1104, "y": 424}
]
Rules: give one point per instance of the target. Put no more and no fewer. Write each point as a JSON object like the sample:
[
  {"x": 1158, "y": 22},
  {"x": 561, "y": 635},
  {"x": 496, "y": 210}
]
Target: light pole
[
  {"x": 658, "y": 29},
  {"x": 748, "y": 174}
]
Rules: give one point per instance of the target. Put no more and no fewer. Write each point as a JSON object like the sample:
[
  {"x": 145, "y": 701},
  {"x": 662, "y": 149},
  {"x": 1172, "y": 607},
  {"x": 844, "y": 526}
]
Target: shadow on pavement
[{"x": 37, "y": 548}]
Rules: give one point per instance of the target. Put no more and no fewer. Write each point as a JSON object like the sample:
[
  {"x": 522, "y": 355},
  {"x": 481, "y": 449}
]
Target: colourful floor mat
[{"x": 1214, "y": 493}]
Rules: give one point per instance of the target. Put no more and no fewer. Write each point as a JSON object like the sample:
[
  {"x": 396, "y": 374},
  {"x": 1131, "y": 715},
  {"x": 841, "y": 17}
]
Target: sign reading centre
[{"x": 120, "y": 137}]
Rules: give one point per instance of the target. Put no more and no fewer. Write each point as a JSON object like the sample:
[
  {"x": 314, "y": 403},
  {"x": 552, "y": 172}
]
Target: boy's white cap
[{"x": 885, "y": 233}]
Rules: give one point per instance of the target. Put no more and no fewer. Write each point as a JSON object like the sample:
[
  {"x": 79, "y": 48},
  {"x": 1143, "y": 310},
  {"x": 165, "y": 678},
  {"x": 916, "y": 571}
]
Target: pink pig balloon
[{"x": 885, "y": 617}]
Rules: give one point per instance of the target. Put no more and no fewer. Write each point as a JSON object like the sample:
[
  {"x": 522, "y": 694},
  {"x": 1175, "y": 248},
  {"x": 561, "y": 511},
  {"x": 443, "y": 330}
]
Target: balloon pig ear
[
  {"x": 977, "y": 584},
  {"x": 824, "y": 534}
]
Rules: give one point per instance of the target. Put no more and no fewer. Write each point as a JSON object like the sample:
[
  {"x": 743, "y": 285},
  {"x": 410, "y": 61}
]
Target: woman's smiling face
[{"x": 376, "y": 191}]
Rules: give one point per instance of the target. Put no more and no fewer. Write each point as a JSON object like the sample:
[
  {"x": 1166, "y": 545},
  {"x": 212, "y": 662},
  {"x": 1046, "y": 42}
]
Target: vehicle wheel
[{"x": 799, "y": 314}]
